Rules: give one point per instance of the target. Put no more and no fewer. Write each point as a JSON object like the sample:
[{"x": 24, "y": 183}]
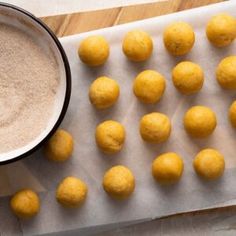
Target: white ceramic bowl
[{"x": 44, "y": 36}]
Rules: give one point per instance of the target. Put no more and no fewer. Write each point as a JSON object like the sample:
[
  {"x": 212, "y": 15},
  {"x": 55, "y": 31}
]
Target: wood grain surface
[
  {"x": 63, "y": 25},
  {"x": 69, "y": 24}
]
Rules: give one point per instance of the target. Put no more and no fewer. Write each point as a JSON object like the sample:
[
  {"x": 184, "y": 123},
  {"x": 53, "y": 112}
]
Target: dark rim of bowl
[{"x": 68, "y": 82}]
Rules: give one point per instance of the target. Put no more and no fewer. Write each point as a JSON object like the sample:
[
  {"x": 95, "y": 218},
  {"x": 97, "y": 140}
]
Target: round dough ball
[
  {"x": 155, "y": 127},
  {"x": 25, "y": 203},
  {"x": 110, "y": 136},
  {"x": 200, "y": 121},
  {"x": 188, "y": 77},
  {"x": 149, "y": 86},
  {"x": 226, "y": 73},
  {"x": 209, "y": 164},
  {"x": 71, "y": 192},
  {"x": 60, "y": 146},
  {"x": 221, "y": 30},
  {"x": 94, "y": 50},
  {"x": 167, "y": 168},
  {"x": 232, "y": 114},
  {"x": 104, "y": 92},
  {"x": 137, "y": 45},
  {"x": 119, "y": 182},
  {"x": 179, "y": 38}
]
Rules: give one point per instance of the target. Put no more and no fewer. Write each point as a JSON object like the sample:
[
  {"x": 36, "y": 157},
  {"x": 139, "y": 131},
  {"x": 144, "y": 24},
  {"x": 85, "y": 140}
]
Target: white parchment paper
[{"x": 88, "y": 163}]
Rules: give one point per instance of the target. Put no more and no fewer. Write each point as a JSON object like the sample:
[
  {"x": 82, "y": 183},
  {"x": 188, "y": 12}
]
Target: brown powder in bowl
[{"x": 29, "y": 78}]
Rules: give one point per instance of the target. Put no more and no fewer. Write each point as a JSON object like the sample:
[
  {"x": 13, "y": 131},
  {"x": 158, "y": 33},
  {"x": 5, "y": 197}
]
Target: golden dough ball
[
  {"x": 94, "y": 50},
  {"x": 155, "y": 127},
  {"x": 71, "y": 192},
  {"x": 167, "y": 168},
  {"x": 200, "y": 121},
  {"x": 209, "y": 164},
  {"x": 119, "y": 182},
  {"x": 104, "y": 92},
  {"x": 179, "y": 38},
  {"x": 60, "y": 146},
  {"x": 226, "y": 73},
  {"x": 137, "y": 45},
  {"x": 25, "y": 204},
  {"x": 149, "y": 86},
  {"x": 232, "y": 114},
  {"x": 221, "y": 30},
  {"x": 110, "y": 136},
  {"x": 188, "y": 77}
]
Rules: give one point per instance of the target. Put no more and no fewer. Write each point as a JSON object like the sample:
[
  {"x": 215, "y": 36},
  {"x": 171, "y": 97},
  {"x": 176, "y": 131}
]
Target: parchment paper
[{"x": 149, "y": 200}]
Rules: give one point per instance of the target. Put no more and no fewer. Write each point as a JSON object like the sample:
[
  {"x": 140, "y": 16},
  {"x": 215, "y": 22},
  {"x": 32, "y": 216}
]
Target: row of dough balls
[
  {"x": 119, "y": 181},
  {"x": 149, "y": 85},
  {"x": 155, "y": 127},
  {"x": 178, "y": 39}
]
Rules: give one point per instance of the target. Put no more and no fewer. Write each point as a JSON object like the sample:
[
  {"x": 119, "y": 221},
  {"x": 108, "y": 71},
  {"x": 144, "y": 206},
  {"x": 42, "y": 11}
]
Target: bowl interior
[{"x": 27, "y": 24}]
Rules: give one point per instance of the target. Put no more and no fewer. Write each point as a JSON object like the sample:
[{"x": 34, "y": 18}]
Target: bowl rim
[{"x": 68, "y": 83}]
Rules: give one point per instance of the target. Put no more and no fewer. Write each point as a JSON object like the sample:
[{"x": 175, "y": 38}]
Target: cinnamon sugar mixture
[{"x": 29, "y": 79}]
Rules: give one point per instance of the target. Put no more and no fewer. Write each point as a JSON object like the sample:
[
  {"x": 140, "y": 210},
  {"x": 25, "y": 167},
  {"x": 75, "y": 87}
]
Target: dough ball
[
  {"x": 119, "y": 182},
  {"x": 137, "y": 45},
  {"x": 188, "y": 77},
  {"x": 60, "y": 146},
  {"x": 167, "y": 168},
  {"x": 221, "y": 30},
  {"x": 71, "y": 192},
  {"x": 200, "y": 121},
  {"x": 155, "y": 127},
  {"x": 94, "y": 50},
  {"x": 232, "y": 114},
  {"x": 179, "y": 38},
  {"x": 110, "y": 136},
  {"x": 226, "y": 73},
  {"x": 25, "y": 203},
  {"x": 209, "y": 164},
  {"x": 149, "y": 86},
  {"x": 104, "y": 92}
]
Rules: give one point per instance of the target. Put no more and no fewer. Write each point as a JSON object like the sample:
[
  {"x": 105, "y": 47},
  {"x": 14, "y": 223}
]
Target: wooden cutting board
[{"x": 68, "y": 24}]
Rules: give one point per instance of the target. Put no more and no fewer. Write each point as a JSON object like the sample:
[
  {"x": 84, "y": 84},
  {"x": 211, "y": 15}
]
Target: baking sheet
[{"x": 149, "y": 200}]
